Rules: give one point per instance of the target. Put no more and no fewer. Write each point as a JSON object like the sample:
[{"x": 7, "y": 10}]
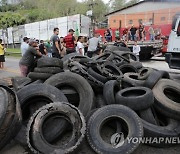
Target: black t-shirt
[
  {"x": 133, "y": 30},
  {"x": 55, "y": 38},
  {"x": 141, "y": 28},
  {"x": 41, "y": 49}
]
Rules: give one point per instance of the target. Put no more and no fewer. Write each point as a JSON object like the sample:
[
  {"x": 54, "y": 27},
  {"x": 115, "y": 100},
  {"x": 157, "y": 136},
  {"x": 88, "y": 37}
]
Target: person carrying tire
[
  {"x": 27, "y": 61},
  {"x": 70, "y": 42}
]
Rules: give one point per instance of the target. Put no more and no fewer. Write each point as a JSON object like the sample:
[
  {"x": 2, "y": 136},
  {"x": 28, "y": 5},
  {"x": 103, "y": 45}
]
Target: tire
[
  {"x": 171, "y": 129},
  {"x": 35, "y": 139},
  {"x": 85, "y": 91},
  {"x": 100, "y": 102},
  {"x": 12, "y": 119},
  {"x": 49, "y": 62},
  {"x": 71, "y": 94},
  {"x": 104, "y": 115},
  {"x": 111, "y": 71},
  {"x": 39, "y": 76},
  {"x": 96, "y": 74},
  {"x": 136, "y": 64},
  {"x": 31, "y": 98},
  {"x": 51, "y": 70},
  {"x": 20, "y": 82},
  {"x": 68, "y": 56},
  {"x": 154, "y": 77},
  {"x": 132, "y": 79},
  {"x": 137, "y": 98},
  {"x": 4, "y": 104},
  {"x": 127, "y": 68},
  {"x": 167, "y": 94},
  {"x": 144, "y": 73},
  {"x": 148, "y": 116},
  {"x": 109, "y": 91}
]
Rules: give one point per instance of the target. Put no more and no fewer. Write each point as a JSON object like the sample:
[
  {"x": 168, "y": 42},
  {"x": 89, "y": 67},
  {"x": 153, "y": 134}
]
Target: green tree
[
  {"x": 132, "y": 2},
  {"x": 11, "y": 19},
  {"x": 118, "y": 4}
]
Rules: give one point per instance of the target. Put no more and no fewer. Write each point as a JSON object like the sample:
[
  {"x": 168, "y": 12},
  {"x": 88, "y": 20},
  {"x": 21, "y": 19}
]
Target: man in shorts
[{"x": 2, "y": 53}]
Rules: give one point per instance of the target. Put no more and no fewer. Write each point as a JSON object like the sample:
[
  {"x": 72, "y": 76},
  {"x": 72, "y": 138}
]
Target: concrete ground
[{"x": 12, "y": 69}]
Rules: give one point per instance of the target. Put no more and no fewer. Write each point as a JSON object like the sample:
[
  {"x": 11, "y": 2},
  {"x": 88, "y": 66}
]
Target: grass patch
[{"x": 13, "y": 52}]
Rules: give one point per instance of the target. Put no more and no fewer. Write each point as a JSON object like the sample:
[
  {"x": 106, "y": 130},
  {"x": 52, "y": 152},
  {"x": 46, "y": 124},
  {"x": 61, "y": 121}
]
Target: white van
[{"x": 173, "y": 51}]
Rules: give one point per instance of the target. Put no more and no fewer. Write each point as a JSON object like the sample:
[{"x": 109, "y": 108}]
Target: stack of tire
[
  {"x": 96, "y": 105},
  {"x": 10, "y": 115},
  {"x": 46, "y": 67}
]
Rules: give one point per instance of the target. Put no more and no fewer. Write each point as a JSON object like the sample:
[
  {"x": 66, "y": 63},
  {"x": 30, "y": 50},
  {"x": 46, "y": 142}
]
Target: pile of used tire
[{"x": 101, "y": 102}]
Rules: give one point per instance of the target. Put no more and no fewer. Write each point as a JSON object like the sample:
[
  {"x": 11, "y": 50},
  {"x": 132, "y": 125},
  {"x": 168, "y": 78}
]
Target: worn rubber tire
[
  {"x": 31, "y": 98},
  {"x": 85, "y": 91},
  {"x": 20, "y": 82},
  {"x": 154, "y": 77},
  {"x": 138, "y": 65},
  {"x": 96, "y": 121},
  {"x": 167, "y": 94},
  {"x": 35, "y": 139},
  {"x": 12, "y": 120},
  {"x": 172, "y": 129},
  {"x": 127, "y": 68},
  {"x": 96, "y": 74},
  {"x": 132, "y": 79},
  {"x": 137, "y": 98},
  {"x": 144, "y": 73},
  {"x": 148, "y": 116},
  {"x": 49, "y": 62},
  {"x": 100, "y": 102},
  {"x": 39, "y": 76},
  {"x": 109, "y": 91},
  {"x": 51, "y": 70},
  {"x": 4, "y": 103}
]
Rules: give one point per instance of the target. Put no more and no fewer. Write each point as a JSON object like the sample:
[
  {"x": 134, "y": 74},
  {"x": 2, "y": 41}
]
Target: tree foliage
[
  {"x": 9, "y": 19},
  {"x": 36, "y": 10}
]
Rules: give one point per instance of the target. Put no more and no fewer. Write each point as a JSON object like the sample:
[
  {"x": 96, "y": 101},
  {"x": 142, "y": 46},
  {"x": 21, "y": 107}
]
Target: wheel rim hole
[
  {"x": 133, "y": 93},
  {"x": 71, "y": 94},
  {"x": 110, "y": 128},
  {"x": 33, "y": 104},
  {"x": 64, "y": 138},
  {"x": 172, "y": 94},
  {"x": 133, "y": 77}
]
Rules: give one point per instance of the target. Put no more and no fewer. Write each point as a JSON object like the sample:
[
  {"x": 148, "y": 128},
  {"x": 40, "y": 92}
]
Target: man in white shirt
[
  {"x": 80, "y": 46},
  {"x": 136, "y": 49},
  {"x": 24, "y": 45},
  {"x": 93, "y": 45}
]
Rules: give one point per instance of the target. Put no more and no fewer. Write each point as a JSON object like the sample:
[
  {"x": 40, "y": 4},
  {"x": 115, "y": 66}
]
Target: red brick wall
[{"x": 167, "y": 14}]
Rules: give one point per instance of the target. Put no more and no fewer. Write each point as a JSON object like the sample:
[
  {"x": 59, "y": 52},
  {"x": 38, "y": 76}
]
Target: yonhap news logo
[
  {"x": 154, "y": 140},
  {"x": 118, "y": 139}
]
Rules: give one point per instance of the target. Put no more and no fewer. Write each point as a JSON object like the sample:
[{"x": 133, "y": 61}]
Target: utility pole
[{"x": 91, "y": 6}]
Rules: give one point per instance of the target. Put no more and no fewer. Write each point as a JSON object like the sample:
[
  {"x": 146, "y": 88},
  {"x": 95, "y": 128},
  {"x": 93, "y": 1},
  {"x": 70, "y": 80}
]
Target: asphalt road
[{"x": 12, "y": 69}]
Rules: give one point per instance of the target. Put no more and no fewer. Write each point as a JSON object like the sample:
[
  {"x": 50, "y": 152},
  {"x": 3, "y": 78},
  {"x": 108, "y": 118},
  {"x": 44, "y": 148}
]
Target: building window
[
  {"x": 130, "y": 21},
  {"x": 114, "y": 21},
  {"x": 163, "y": 18},
  {"x": 140, "y": 21}
]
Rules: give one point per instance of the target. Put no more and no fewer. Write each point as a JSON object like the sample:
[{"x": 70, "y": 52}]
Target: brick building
[{"x": 157, "y": 12}]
